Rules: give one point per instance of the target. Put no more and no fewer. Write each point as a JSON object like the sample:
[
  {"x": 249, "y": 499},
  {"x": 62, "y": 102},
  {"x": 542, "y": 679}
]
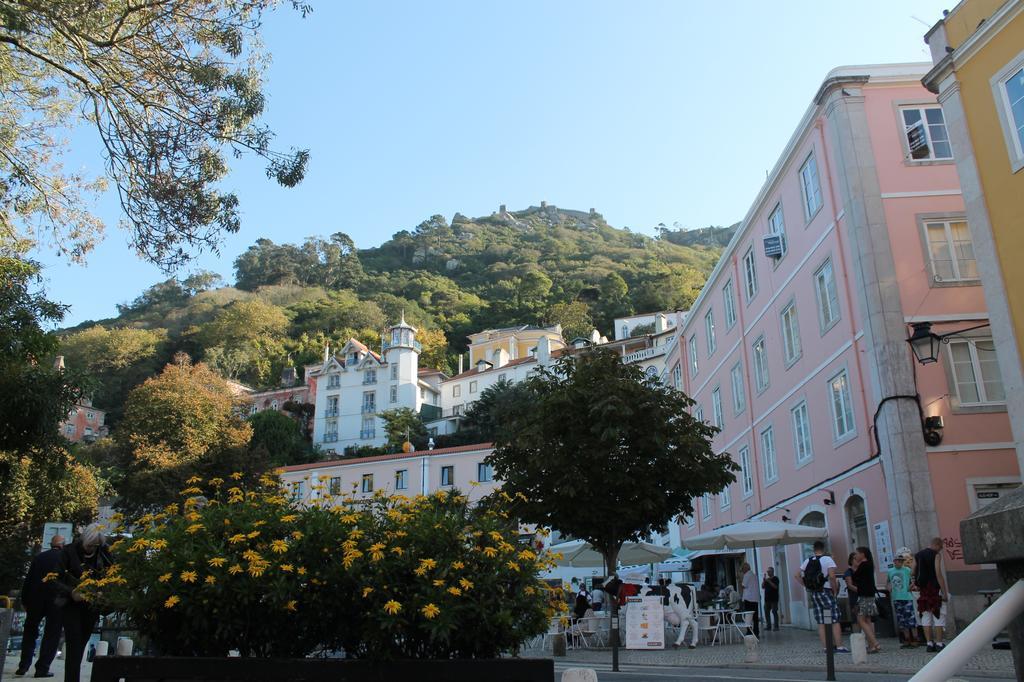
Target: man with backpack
[{"x": 818, "y": 576}]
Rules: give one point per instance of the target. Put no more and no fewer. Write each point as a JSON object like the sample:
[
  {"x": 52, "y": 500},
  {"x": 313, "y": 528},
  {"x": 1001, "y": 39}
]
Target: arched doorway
[
  {"x": 816, "y": 519},
  {"x": 856, "y": 522}
]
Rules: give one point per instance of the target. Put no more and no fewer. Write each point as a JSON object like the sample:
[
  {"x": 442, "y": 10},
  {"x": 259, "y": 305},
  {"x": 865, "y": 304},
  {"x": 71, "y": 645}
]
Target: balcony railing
[
  {"x": 369, "y": 408},
  {"x": 645, "y": 354},
  {"x": 367, "y": 435},
  {"x": 369, "y": 379},
  {"x": 330, "y": 437},
  {"x": 331, "y": 412},
  {"x": 386, "y": 343}
]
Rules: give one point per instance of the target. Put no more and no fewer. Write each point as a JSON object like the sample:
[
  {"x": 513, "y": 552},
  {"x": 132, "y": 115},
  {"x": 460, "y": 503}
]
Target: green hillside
[{"x": 541, "y": 265}]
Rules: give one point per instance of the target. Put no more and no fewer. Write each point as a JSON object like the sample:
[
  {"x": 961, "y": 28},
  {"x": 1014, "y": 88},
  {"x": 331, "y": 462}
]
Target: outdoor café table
[{"x": 723, "y": 616}]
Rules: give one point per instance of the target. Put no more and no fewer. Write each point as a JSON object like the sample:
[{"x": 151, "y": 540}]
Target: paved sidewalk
[
  {"x": 57, "y": 669},
  {"x": 791, "y": 649}
]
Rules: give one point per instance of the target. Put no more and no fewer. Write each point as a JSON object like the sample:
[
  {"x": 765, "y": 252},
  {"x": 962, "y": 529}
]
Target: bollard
[
  {"x": 750, "y": 654},
  {"x": 579, "y": 675},
  {"x": 102, "y": 648},
  {"x": 830, "y": 647},
  {"x": 558, "y": 645},
  {"x": 859, "y": 648},
  {"x": 124, "y": 646}
]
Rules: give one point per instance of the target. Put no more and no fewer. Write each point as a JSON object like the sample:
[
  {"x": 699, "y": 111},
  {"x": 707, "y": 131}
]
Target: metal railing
[
  {"x": 331, "y": 412},
  {"x": 369, "y": 408},
  {"x": 975, "y": 637},
  {"x": 330, "y": 437}
]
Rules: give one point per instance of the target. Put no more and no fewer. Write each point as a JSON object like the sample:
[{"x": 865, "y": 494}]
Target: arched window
[
  {"x": 816, "y": 519},
  {"x": 856, "y": 522}
]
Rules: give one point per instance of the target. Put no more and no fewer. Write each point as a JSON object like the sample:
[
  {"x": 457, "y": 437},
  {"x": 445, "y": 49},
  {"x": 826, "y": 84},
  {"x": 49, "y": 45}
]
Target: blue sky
[{"x": 668, "y": 111}]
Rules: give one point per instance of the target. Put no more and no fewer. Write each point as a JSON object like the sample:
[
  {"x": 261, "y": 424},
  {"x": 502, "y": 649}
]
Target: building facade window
[
  {"x": 810, "y": 187},
  {"x": 705, "y": 506},
  {"x": 729, "y": 303},
  {"x": 402, "y": 479},
  {"x": 484, "y": 472},
  {"x": 746, "y": 473},
  {"x": 975, "y": 371},
  {"x": 330, "y": 430},
  {"x": 925, "y": 131},
  {"x": 393, "y": 394},
  {"x": 709, "y": 332},
  {"x": 761, "y": 378},
  {"x": 749, "y": 274},
  {"x": 1008, "y": 87},
  {"x": 724, "y": 498},
  {"x": 842, "y": 406},
  {"x": 951, "y": 251},
  {"x": 771, "y": 463},
  {"x": 801, "y": 433},
  {"x": 827, "y": 296},
  {"x": 698, "y": 413},
  {"x": 368, "y": 430},
  {"x": 694, "y": 365},
  {"x": 332, "y": 406},
  {"x": 456, "y": 390},
  {"x": 716, "y": 407},
  {"x": 369, "y": 401},
  {"x": 447, "y": 475},
  {"x": 367, "y": 483},
  {"x": 394, "y": 372},
  {"x": 677, "y": 377},
  {"x": 739, "y": 399},
  {"x": 777, "y": 226},
  {"x": 790, "y": 334},
  {"x": 333, "y": 381},
  {"x": 335, "y": 486},
  {"x": 472, "y": 387}
]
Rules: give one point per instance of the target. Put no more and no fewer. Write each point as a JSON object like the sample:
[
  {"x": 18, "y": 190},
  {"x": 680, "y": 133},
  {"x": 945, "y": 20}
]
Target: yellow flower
[
  {"x": 194, "y": 528},
  {"x": 171, "y": 601},
  {"x": 466, "y": 584},
  {"x": 235, "y": 569},
  {"x": 300, "y": 570},
  {"x": 287, "y": 568},
  {"x": 438, "y": 583},
  {"x": 279, "y": 546},
  {"x": 458, "y": 565},
  {"x": 430, "y": 611},
  {"x": 158, "y": 544},
  {"x": 527, "y": 555},
  {"x": 216, "y": 481},
  {"x": 496, "y": 536},
  {"x": 235, "y": 539},
  {"x": 290, "y": 606},
  {"x": 349, "y": 518},
  {"x": 210, "y": 580},
  {"x": 217, "y": 562},
  {"x": 254, "y": 534},
  {"x": 49, "y": 576},
  {"x": 398, "y": 550},
  {"x": 193, "y": 480},
  {"x": 428, "y": 563},
  {"x": 188, "y": 576},
  {"x": 421, "y": 571},
  {"x": 392, "y": 607},
  {"x": 454, "y": 590},
  {"x": 256, "y": 569},
  {"x": 251, "y": 555},
  {"x": 192, "y": 491},
  {"x": 237, "y": 475},
  {"x": 164, "y": 578},
  {"x": 297, "y": 534},
  {"x": 513, "y": 566},
  {"x": 490, "y": 552},
  {"x": 367, "y": 591},
  {"x": 288, "y": 518}
]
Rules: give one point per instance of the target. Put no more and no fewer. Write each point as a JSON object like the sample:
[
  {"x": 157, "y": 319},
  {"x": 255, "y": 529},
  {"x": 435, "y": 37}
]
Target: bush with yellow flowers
[{"x": 384, "y": 578}]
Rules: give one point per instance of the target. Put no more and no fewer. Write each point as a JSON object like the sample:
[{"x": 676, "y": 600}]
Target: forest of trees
[{"x": 287, "y": 301}]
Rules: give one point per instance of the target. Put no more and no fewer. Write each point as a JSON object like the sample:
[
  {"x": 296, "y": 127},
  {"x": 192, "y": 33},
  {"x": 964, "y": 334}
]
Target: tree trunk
[{"x": 611, "y": 561}]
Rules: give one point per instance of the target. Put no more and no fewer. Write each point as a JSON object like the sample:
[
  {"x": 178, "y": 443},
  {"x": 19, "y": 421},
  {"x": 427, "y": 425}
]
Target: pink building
[
  {"x": 797, "y": 346},
  {"x": 84, "y": 423}
]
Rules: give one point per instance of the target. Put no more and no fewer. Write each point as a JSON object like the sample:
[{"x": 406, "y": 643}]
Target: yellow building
[
  {"x": 500, "y": 346},
  {"x": 978, "y": 51}
]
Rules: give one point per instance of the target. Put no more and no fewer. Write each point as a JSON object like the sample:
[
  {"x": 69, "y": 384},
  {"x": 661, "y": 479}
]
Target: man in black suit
[{"x": 37, "y": 596}]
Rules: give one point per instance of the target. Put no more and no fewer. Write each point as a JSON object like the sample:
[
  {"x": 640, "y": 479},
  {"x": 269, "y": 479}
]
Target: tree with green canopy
[
  {"x": 602, "y": 452},
  {"x": 403, "y": 424},
  {"x": 282, "y": 438},
  {"x": 172, "y": 88}
]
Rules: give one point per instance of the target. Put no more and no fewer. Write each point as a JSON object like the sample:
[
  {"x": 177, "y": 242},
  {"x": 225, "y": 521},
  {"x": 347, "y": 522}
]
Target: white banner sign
[
  {"x": 645, "y": 623},
  {"x": 883, "y": 544}
]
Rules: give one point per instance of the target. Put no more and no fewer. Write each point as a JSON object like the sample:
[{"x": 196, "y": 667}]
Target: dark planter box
[{"x": 179, "y": 669}]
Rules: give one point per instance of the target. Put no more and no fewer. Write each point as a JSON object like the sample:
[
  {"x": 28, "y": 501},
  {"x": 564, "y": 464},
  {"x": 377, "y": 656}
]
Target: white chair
[
  {"x": 743, "y": 621},
  {"x": 600, "y": 629},
  {"x": 708, "y": 626},
  {"x": 578, "y": 634}
]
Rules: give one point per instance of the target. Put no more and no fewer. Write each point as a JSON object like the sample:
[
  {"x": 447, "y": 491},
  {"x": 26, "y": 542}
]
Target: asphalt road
[{"x": 642, "y": 673}]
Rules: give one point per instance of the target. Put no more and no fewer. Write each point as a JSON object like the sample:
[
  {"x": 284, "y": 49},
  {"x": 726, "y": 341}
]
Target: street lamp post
[{"x": 925, "y": 343}]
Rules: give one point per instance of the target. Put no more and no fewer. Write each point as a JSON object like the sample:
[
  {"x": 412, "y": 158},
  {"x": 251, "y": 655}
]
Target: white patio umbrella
[
  {"x": 580, "y": 554},
  {"x": 754, "y": 534}
]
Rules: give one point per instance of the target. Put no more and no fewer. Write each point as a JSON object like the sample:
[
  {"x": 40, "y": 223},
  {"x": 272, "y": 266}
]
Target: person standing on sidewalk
[
  {"x": 818, "y": 576},
  {"x": 867, "y": 607},
  {"x": 88, "y": 553},
  {"x": 770, "y": 584},
  {"x": 751, "y": 596},
  {"x": 37, "y": 596},
  {"x": 931, "y": 605},
  {"x": 903, "y": 602}
]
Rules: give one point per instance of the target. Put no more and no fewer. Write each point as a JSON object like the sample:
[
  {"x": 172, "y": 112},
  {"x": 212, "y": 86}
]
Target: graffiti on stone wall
[{"x": 954, "y": 549}]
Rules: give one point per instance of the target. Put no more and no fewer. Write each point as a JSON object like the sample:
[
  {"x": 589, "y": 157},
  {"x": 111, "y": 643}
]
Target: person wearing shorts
[
  {"x": 931, "y": 605},
  {"x": 824, "y": 601},
  {"x": 903, "y": 601}
]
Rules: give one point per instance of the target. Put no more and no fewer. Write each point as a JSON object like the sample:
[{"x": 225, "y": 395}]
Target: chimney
[
  {"x": 595, "y": 337},
  {"x": 58, "y": 363},
  {"x": 327, "y": 353},
  {"x": 501, "y": 357},
  {"x": 460, "y": 362},
  {"x": 660, "y": 323},
  {"x": 544, "y": 351}
]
